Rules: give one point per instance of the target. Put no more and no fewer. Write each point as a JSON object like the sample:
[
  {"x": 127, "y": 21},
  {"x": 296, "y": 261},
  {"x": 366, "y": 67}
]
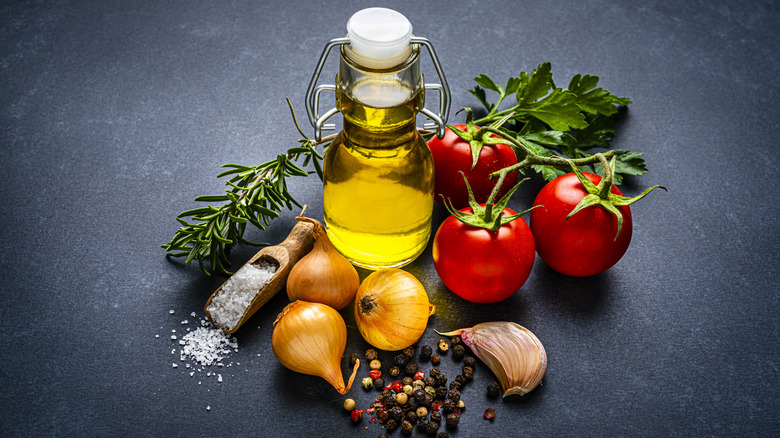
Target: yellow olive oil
[{"x": 378, "y": 175}]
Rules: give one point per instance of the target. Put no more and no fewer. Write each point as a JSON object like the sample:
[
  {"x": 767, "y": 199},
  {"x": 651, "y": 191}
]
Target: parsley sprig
[{"x": 552, "y": 121}]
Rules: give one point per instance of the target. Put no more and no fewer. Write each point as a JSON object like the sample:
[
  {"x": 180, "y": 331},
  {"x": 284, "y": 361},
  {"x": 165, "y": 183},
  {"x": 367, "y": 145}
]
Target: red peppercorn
[
  {"x": 357, "y": 415},
  {"x": 398, "y": 386},
  {"x": 419, "y": 375},
  {"x": 435, "y": 406},
  {"x": 490, "y": 413},
  {"x": 374, "y": 374}
]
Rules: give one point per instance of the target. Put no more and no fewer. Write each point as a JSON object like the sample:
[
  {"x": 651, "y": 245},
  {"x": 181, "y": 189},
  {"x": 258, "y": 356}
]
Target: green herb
[
  {"x": 254, "y": 194},
  {"x": 552, "y": 121}
]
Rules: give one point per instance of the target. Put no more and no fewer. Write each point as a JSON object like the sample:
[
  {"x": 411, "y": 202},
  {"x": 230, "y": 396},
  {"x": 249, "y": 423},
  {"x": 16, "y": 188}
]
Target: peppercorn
[
  {"x": 443, "y": 434},
  {"x": 448, "y": 406},
  {"x": 443, "y": 346},
  {"x": 436, "y": 416},
  {"x": 383, "y": 417},
  {"x": 434, "y": 372},
  {"x": 421, "y": 412},
  {"x": 468, "y": 373},
  {"x": 425, "y": 352},
  {"x": 430, "y": 390},
  {"x": 357, "y": 415},
  {"x": 353, "y": 358},
  {"x": 408, "y": 390},
  {"x": 375, "y": 364},
  {"x": 407, "y": 380},
  {"x": 395, "y": 371},
  {"x": 490, "y": 413},
  {"x": 419, "y": 394},
  {"x": 368, "y": 382},
  {"x": 349, "y": 404},
  {"x": 410, "y": 368},
  {"x": 374, "y": 374},
  {"x": 493, "y": 389},
  {"x": 411, "y": 416},
  {"x": 409, "y": 352},
  {"x": 435, "y": 359},
  {"x": 453, "y": 395},
  {"x": 429, "y": 381},
  {"x": 407, "y": 428},
  {"x": 441, "y": 380},
  {"x": 418, "y": 384},
  {"x": 401, "y": 359},
  {"x": 458, "y": 351},
  {"x": 459, "y": 378},
  {"x": 441, "y": 393},
  {"x": 461, "y": 404},
  {"x": 391, "y": 425},
  {"x": 383, "y": 436},
  {"x": 428, "y": 400},
  {"x": 452, "y": 420},
  {"x": 379, "y": 384},
  {"x": 432, "y": 427},
  {"x": 470, "y": 362},
  {"x": 422, "y": 422},
  {"x": 456, "y": 385},
  {"x": 371, "y": 354},
  {"x": 401, "y": 398},
  {"x": 455, "y": 340},
  {"x": 413, "y": 403}
]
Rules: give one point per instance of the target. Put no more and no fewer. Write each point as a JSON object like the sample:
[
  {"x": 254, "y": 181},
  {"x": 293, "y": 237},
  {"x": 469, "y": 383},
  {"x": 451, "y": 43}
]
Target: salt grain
[
  {"x": 236, "y": 295},
  {"x": 206, "y": 345}
]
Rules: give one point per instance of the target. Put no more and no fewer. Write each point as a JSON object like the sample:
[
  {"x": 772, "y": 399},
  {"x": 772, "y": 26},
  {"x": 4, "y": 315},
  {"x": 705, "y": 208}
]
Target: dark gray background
[{"x": 116, "y": 114}]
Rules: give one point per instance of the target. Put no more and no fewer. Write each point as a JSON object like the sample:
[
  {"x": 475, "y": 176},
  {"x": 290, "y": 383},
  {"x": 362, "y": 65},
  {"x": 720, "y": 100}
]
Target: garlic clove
[{"x": 514, "y": 354}]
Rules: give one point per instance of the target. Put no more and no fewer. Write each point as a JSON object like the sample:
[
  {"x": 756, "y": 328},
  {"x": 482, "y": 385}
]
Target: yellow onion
[
  {"x": 323, "y": 275},
  {"x": 512, "y": 352},
  {"x": 310, "y": 338},
  {"x": 392, "y": 309}
]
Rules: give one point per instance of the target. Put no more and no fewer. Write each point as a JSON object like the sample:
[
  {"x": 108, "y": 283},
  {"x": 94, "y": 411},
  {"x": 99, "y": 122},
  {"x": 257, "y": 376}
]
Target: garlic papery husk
[
  {"x": 512, "y": 352},
  {"x": 323, "y": 275},
  {"x": 310, "y": 338}
]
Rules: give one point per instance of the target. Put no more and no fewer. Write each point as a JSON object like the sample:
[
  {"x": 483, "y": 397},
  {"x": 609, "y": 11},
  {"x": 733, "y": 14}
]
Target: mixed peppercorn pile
[{"x": 410, "y": 398}]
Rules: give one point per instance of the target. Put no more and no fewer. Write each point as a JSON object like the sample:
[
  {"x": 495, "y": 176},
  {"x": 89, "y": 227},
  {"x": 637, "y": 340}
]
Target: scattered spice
[
  {"x": 375, "y": 364},
  {"x": 425, "y": 352},
  {"x": 493, "y": 389},
  {"x": 435, "y": 359},
  {"x": 395, "y": 371},
  {"x": 458, "y": 351},
  {"x": 368, "y": 383},
  {"x": 443, "y": 346},
  {"x": 357, "y": 415},
  {"x": 375, "y": 373},
  {"x": 490, "y": 413},
  {"x": 371, "y": 354},
  {"x": 349, "y": 404},
  {"x": 353, "y": 358}
]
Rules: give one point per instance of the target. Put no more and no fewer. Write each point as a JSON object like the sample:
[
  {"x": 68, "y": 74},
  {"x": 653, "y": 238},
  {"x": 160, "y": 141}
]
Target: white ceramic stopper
[{"x": 379, "y": 37}]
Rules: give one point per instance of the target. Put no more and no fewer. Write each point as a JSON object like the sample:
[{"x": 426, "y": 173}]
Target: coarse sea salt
[
  {"x": 207, "y": 346},
  {"x": 236, "y": 295}
]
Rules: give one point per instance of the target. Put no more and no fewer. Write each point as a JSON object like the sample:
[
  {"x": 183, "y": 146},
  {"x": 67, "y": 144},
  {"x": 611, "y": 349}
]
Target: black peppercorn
[
  {"x": 383, "y": 436},
  {"x": 431, "y": 428},
  {"x": 441, "y": 380},
  {"x": 459, "y": 378},
  {"x": 379, "y": 384},
  {"x": 443, "y": 434},
  {"x": 425, "y": 352},
  {"x": 458, "y": 351},
  {"x": 408, "y": 352},
  {"x": 429, "y": 381},
  {"x": 470, "y": 362},
  {"x": 407, "y": 381},
  {"x": 448, "y": 406},
  {"x": 441, "y": 393},
  {"x": 391, "y": 425},
  {"x": 468, "y": 373},
  {"x": 493, "y": 389},
  {"x": 456, "y": 385},
  {"x": 452, "y": 420},
  {"x": 413, "y": 403},
  {"x": 397, "y": 414},
  {"x": 411, "y": 368},
  {"x": 453, "y": 395},
  {"x": 428, "y": 400},
  {"x": 395, "y": 371},
  {"x": 401, "y": 359},
  {"x": 353, "y": 358},
  {"x": 435, "y": 359},
  {"x": 436, "y": 416},
  {"x": 371, "y": 354},
  {"x": 383, "y": 416},
  {"x": 411, "y": 416},
  {"x": 418, "y": 394},
  {"x": 422, "y": 422},
  {"x": 455, "y": 340},
  {"x": 407, "y": 428},
  {"x": 434, "y": 372}
]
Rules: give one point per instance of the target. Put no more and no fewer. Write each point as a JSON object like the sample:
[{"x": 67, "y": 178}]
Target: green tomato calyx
[
  {"x": 602, "y": 195},
  {"x": 490, "y": 216},
  {"x": 476, "y": 137}
]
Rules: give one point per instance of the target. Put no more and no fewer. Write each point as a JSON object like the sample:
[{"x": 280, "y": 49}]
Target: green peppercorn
[
  {"x": 368, "y": 382},
  {"x": 395, "y": 371},
  {"x": 408, "y": 389},
  {"x": 410, "y": 368},
  {"x": 430, "y": 390},
  {"x": 470, "y": 362},
  {"x": 493, "y": 389},
  {"x": 407, "y": 428},
  {"x": 418, "y": 384},
  {"x": 458, "y": 351}
]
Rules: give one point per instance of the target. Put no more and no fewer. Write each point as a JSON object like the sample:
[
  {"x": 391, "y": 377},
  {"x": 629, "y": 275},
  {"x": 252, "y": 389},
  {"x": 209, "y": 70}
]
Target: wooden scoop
[{"x": 284, "y": 255}]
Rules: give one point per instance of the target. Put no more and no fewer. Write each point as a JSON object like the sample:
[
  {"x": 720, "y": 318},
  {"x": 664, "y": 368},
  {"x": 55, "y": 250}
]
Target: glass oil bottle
[{"x": 378, "y": 171}]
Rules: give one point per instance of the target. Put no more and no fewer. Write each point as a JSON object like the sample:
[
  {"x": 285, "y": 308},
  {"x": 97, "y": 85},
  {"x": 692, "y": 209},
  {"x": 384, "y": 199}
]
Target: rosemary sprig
[{"x": 254, "y": 194}]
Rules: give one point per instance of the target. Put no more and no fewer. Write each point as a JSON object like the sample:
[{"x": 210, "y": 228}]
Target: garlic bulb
[
  {"x": 511, "y": 351},
  {"x": 392, "y": 309},
  {"x": 310, "y": 338},
  {"x": 323, "y": 275}
]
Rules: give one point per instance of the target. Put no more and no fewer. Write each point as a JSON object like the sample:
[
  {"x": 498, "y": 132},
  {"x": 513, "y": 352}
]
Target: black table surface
[{"x": 115, "y": 115}]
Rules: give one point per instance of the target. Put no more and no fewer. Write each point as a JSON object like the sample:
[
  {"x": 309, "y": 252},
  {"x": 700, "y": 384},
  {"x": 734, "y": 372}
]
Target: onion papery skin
[
  {"x": 323, "y": 275},
  {"x": 392, "y": 309},
  {"x": 310, "y": 338}
]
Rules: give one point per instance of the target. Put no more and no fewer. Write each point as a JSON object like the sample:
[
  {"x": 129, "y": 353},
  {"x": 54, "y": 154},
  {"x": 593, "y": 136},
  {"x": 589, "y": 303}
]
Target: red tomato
[
  {"x": 585, "y": 243},
  {"x": 452, "y": 154},
  {"x": 480, "y": 265}
]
